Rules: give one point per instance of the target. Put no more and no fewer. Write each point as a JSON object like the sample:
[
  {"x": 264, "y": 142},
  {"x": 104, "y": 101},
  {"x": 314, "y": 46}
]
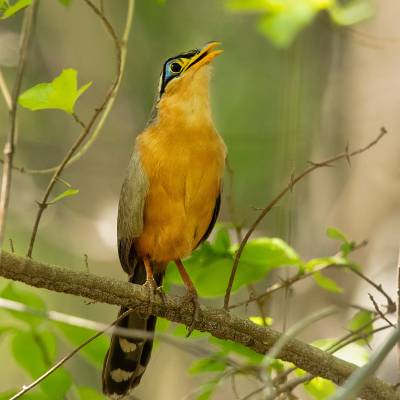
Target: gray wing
[{"x": 130, "y": 211}]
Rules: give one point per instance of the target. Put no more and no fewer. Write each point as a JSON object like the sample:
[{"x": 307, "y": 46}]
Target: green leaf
[
  {"x": 352, "y": 353},
  {"x": 61, "y": 93},
  {"x": 21, "y": 294},
  {"x": 207, "y": 389},
  {"x": 162, "y": 324},
  {"x": 347, "y": 248},
  {"x": 10, "y": 10},
  {"x": 362, "y": 318},
  {"x": 214, "y": 363},
  {"x": 351, "y": 12},
  {"x": 222, "y": 241},
  {"x": 35, "y": 395},
  {"x": 326, "y": 283},
  {"x": 66, "y": 193},
  {"x": 210, "y": 271},
  {"x": 336, "y": 234},
  {"x": 249, "y": 5},
  {"x": 227, "y": 347},
  {"x": 267, "y": 321},
  {"x": 65, "y": 3},
  {"x": 28, "y": 354},
  {"x": 181, "y": 331},
  {"x": 320, "y": 388},
  {"x": 94, "y": 352},
  {"x": 214, "y": 278},
  {"x": 282, "y": 26},
  {"x": 47, "y": 342},
  {"x": 316, "y": 264},
  {"x": 88, "y": 393},
  {"x": 268, "y": 253}
]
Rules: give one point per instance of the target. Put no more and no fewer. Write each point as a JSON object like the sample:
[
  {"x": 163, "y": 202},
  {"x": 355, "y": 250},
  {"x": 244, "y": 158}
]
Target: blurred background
[{"x": 276, "y": 109}]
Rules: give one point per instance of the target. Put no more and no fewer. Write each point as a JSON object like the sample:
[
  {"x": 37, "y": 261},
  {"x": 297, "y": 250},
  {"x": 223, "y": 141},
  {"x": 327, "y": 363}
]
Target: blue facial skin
[{"x": 168, "y": 74}]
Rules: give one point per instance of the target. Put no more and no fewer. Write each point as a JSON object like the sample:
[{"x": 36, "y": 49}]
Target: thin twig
[
  {"x": 379, "y": 311},
  {"x": 27, "y": 388},
  {"x": 106, "y": 110},
  {"x": 86, "y": 131},
  {"x": 391, "y": 305},
  {"x": 356, "y": 381},
  {"x": 9, "y": 147},
  {"x": 398, "y": 306},
  {"x": 5, "y": 91},
  {"x": 294, "y": 179}
]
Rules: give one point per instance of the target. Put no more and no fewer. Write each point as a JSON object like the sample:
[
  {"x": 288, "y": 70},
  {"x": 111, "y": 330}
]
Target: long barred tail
[{"x": 127, "y": 358}]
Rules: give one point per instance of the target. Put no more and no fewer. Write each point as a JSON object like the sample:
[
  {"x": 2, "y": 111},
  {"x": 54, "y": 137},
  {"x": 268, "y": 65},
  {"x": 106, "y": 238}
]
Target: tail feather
[{"x": 127, "y": 358}]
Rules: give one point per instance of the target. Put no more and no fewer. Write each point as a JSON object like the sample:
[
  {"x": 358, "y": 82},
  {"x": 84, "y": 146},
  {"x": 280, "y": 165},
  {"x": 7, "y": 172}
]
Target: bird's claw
[
  {"x": 192, "y": 297},
  {"x": 153, "y": 289}
]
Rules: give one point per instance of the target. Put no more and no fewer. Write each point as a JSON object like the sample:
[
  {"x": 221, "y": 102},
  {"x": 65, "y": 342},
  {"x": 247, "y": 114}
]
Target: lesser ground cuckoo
[{"x": 169, "y": 200}]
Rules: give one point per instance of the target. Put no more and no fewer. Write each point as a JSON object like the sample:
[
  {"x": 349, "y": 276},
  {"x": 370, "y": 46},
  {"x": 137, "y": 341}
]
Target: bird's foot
[
  {"x": 192, "y": 297},
  {"x": 153, "y": 289}
]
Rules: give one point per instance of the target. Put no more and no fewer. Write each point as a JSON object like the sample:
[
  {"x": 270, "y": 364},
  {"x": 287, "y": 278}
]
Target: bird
[{"x": 169, "y": 203}]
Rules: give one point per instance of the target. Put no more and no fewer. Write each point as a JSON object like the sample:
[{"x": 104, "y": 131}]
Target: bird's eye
[{"x": 175, "y": 67}]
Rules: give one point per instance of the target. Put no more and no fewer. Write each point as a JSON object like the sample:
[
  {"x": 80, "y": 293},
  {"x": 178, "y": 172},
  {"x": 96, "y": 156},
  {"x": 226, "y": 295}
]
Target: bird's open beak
[{"x": 205, "y": 56}]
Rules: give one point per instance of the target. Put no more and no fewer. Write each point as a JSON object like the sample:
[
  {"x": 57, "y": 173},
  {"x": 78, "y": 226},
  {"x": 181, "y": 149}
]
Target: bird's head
[{"x": 184, "y": 81}]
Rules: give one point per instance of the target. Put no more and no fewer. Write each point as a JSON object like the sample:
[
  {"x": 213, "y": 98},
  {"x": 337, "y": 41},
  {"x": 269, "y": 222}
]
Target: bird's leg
[
  {"x": 151, "y": 283},
  {"x": 191, "y": 294}
]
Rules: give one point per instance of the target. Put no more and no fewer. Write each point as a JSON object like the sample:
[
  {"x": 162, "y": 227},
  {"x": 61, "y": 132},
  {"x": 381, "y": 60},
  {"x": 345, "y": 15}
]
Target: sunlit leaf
[
  {"x": 261, "y": 321},
  {"x": 94, "y": 352},
  {"x": 326, "y": 283},
  {"x": 318, "y": 388},
  {"x": 66, "y": 193},
  {"x": 336, "y": 234},
  {"x": 268, "y": 253},
  {"x": 353, "y": 352},
  {"x": 61, "y": 93},
  {"x": 65, "y": 3},
  {"x": 249, "y": 5},
  {"x": 351, "y": 12},
  {"x": 207, "y": 389},
  {"x": 9, "y": 10},
  {"x": 88, "y": 393},
  {"x": 362, "y": 319},
  {"x": 323, "y": 262},
  {"x": 282, "y": 27}
]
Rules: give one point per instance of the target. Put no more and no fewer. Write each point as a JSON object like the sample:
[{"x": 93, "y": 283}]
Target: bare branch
[
  {"x": 391, "y": 305},
  {"x": 27, "y": 388},
  {"x": 105, "y": 105},
  {"x": 293, "y": 180},
  {"x": 9, "y": 147},
  {"x": 217, "y": 322},
  {"x": 398, "y": 305},
  {"x": 5, "y": 91},
  {"x": 379, "y": 311}
]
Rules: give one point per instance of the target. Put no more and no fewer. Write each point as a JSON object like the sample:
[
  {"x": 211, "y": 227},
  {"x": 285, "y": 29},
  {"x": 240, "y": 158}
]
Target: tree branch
[
  {"x": 217, "y": 322},
  {"x": 12, "y": 102},
  {"x": 289, "y": 187},
  {"x": 105, "y": 105}
]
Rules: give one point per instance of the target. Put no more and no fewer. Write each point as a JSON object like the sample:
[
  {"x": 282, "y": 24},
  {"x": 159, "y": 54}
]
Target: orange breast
[{"x": 185, "y": 173}]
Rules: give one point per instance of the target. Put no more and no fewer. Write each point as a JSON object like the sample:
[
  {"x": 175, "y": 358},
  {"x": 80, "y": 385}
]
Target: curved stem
[{"x": 86, "y": 131}]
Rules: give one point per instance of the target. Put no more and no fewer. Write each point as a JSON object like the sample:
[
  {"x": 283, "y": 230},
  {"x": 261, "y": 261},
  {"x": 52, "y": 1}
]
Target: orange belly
[{"x": 184, "y": 183}]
